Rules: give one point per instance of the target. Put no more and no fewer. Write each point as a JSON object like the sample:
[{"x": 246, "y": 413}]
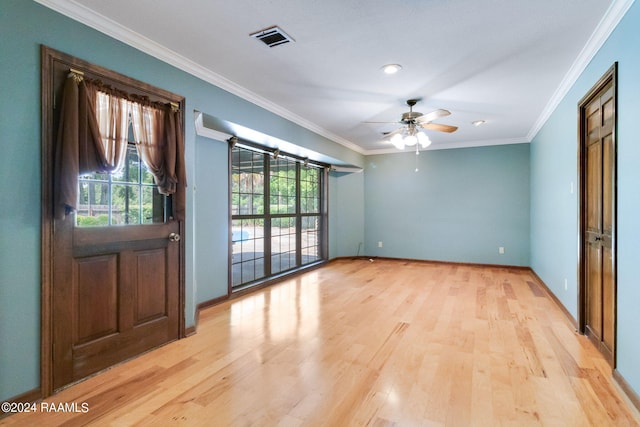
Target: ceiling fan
[{"x": 410, "y": 133}]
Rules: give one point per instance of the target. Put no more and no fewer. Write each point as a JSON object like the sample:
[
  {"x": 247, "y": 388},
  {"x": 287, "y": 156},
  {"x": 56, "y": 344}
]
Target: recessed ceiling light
[
  {"x": 479, "y": 122},
  {"x": 391, "y": 68}
]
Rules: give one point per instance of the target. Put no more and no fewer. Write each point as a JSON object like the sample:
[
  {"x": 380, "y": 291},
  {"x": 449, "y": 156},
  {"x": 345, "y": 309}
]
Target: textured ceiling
[{"x": 502, "y": 61}]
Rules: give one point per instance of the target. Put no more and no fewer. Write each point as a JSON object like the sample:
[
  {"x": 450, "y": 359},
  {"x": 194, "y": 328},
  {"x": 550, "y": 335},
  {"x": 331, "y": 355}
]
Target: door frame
[
  {"x": 48, "y": 57},
  {"x": 610, "y": 76}
]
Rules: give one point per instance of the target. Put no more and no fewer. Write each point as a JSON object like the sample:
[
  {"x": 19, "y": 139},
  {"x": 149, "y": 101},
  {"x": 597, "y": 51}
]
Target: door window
[{"x": 128, "y": 196}]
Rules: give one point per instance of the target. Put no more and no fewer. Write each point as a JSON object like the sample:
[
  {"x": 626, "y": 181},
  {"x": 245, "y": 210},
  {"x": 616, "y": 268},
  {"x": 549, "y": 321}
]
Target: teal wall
[
  {"x": 211, "y": 214},
  {"x": 24, "y": 26},
  {"x": 346, "y": 214},
  {"x": 554, "y": 210},
  {"x": 461, "y": 205}
]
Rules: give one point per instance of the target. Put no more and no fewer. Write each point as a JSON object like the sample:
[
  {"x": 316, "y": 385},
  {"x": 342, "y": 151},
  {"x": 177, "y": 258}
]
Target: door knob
[{"x": 174, "y": 237}]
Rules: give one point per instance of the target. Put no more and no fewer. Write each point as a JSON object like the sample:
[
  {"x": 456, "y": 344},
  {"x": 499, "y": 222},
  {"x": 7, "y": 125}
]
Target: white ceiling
[{"x": 503, "y": 61}]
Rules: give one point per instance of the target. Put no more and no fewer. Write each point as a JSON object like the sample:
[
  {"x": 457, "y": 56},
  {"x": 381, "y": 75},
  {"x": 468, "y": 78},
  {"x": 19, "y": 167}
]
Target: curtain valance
[{"x": 93, "y": 137}]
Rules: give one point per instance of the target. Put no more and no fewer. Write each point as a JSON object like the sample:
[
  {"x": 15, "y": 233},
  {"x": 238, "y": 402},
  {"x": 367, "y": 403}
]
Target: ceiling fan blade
[
  {"x": 394, "y": 132},
  {"x": 429, "y": 117},
  {"x": 439, "y": 127}
]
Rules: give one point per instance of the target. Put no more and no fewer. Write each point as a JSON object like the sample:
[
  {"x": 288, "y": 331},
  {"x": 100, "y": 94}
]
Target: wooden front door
[
  {"x": 112, "y": 284},
  {"x": 598, "y": 112}
]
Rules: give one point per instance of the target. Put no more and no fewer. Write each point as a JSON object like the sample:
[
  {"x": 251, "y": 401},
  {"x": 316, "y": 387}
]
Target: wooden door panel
[
  {"x": 594, "y": 289},
  {"x": 151, "y": 285},
  {"x": 95, "y": 296},
  {"x": 608, "y": 298},
  {"x": 594, "y": 120},
  {"x": 112, "y": 239},
  {"x": 607, "y": 185},
  {"x": 593, "y": 193},
  {"x": 607, "y": 109}
]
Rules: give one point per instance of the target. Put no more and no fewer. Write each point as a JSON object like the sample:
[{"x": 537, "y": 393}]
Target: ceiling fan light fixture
[
  {"x": 423, "y": 139},
  {"x": 478, "y": 122},
  {"x": 391, "y": 68},
  {"x": 411, "y": 134},
  {"x": 398, "y": 141},
  {"x": 410, "y": 140}
]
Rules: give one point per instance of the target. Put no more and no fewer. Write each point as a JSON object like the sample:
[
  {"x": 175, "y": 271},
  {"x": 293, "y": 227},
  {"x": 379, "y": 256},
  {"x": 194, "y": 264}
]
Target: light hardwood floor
[{"x": 383, "y": 343}]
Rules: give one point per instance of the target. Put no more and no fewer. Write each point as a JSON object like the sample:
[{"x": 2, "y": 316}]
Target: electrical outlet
[
  {"x": 380, "y": 244},
  {"x": 501, "y": 250}
]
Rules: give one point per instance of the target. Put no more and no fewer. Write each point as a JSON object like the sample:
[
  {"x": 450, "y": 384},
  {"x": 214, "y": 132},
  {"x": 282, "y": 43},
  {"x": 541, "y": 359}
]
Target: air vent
[{"x": 272, "y": 37}]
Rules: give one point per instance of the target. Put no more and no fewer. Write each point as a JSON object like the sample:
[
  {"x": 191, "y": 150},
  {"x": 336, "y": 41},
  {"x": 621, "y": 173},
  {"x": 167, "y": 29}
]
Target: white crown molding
[
  {"x": 605, "y": 27},
  {"x": 84, "y": 15}
]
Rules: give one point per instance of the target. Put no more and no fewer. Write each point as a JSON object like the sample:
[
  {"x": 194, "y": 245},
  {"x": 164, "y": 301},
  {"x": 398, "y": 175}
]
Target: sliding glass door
[{"x": 277, "y": 215}]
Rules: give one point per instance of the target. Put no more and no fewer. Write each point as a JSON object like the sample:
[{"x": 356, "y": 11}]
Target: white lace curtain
[{"x": 93, "y": 137}]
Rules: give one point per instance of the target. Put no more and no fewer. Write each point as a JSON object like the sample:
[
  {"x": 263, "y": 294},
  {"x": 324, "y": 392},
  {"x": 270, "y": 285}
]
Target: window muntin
[
  {"x": 128, "y": 196},
  {"x": 283, "y": 243},
  {"x": 310, "y": 190},
  {"x": 247, "y": 261},
  {"x": 247, "y": 183},
  {"x": 283, "y": 185},
  {"x": 310, "y": 240},
  {"x": 273, "y": 238}
]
